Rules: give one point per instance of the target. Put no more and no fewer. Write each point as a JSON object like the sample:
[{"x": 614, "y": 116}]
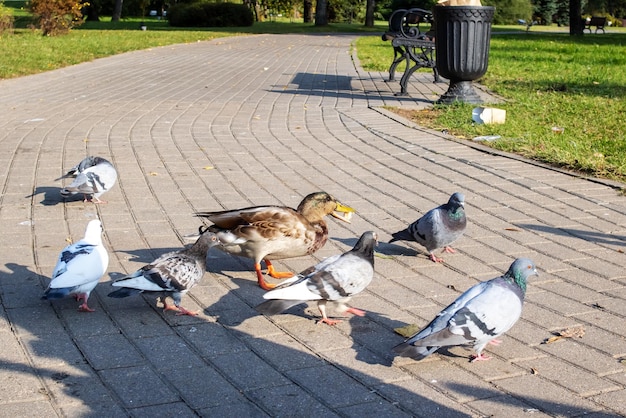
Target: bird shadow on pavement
[
  {"x": 78, "y": 358},
  {"x": 56, "y": 368},
  {"x": 52, "y": 196}
]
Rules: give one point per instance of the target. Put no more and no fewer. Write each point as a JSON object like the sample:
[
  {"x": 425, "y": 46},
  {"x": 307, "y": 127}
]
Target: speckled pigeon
[
  {"x": 173, "y": 273},
  {"x": 479, "y": 316},
  {"x": 335, "y": 279},
  {"x": 438, "y": 228},
  {"x": 80, "y": 267},
  {"x": 94, "y": 177}
]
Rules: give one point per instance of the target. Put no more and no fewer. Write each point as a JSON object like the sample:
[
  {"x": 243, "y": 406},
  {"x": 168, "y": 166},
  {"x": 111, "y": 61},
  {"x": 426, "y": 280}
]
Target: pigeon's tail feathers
[
  {"x": 416, "y": 353},
  {"x": 403, "y": 235},
  {"x": 276, "y": 306},
  {"x": 57, "y": 293},
  {"x": 124, "y": 292}
]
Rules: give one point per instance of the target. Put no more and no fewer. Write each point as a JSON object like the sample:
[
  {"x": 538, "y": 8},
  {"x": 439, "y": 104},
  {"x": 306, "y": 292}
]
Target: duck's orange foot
[
  {"x": 328, "y": 321},
  {"x": 277, "y": 274}
]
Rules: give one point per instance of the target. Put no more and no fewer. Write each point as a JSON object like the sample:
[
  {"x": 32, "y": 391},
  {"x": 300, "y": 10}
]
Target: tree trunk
[
  {"x": 117, "y": 11},
  {"x": 369, "y": 13},
  {"x": 321, "y": 13},
  {"x": 575, "y": 17},
  {"x": 307, "y": 14}
]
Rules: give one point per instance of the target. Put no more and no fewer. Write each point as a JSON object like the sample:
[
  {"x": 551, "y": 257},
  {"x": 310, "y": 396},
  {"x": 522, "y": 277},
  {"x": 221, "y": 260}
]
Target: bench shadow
[{"x": 339, "y": 86}]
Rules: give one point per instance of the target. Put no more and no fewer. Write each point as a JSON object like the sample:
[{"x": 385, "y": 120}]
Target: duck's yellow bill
[{"x": 343, "y": 212}]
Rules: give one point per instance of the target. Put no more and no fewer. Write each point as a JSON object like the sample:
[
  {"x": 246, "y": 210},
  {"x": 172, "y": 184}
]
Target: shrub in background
[
  {"x": 6, "y": 19},
  {"x": 205, "y": 14},
  {"x": 56, "y": 17}
]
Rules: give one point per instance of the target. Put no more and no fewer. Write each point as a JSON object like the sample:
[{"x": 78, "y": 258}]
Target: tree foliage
[{"x": 56, "y": 17}]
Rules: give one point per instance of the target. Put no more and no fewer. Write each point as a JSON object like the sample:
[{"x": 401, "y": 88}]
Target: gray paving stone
[{"x": 138, "y": 386}]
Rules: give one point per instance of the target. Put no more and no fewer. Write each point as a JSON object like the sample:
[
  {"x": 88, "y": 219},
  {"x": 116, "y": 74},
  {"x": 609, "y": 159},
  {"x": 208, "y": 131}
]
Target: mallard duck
[
  {"x": 336, "y": 279},
  {"x": 265, "y": 233}
]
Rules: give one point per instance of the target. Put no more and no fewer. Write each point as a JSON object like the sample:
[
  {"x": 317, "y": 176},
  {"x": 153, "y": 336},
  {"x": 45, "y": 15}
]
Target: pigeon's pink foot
[
  {"x": 178, "y": 309},
  {"x": 85, "y": 308},
  {"x": 435, "y": 259},
  {"x": 355, "y": 311},
  {"x": 495, "y": 341},
  {"x": 329, "y": 321},
  {"x": 480, "y": 357},
  {"x": 449, "y": 250}
]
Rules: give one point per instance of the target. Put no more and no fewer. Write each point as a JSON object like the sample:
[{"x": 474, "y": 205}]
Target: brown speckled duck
[{"x": 265, "y": 233}]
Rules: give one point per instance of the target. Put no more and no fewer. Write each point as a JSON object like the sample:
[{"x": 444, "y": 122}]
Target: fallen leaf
[
  {"x": 208, "y": 167},
  {"x": 68, "y": 239},
  {"x": 533, "y": 371},
  {"x": 152, "y": 173},
  {"x": 572, "y": 332},
  {"x": 408, "y": 330},
  {"x": 451, "y": 286},
  {"x": 512, "y": 229},
  {"x": 553, "y": 339}
]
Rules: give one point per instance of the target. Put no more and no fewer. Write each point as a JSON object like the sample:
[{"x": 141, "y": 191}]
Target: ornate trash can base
[{"x": 462, "y": 37}]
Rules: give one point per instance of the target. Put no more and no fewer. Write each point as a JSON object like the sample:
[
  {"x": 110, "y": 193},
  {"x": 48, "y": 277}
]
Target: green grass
[{"x": 577, "y": 83}]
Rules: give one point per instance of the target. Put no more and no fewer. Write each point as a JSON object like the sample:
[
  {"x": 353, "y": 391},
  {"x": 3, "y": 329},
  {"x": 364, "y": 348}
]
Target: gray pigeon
[
  {"x": 80, "y": 267},
  {"x": 94, "y": 177},
  {"x": 172, "y": 273},
  {"x": 335, "y": 279},
  {"x": 479, "y": 316},
  {"x": 438, "y": 228}
]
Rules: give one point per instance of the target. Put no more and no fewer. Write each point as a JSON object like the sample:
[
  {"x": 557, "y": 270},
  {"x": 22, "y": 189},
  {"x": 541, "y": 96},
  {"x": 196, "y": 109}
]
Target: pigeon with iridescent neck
[
  {"x": 477, "y": 317},
  {"x": 438, "y": 228}
]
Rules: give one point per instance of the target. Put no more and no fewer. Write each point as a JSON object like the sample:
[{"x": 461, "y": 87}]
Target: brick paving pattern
[{"x": 268, "y": 119}]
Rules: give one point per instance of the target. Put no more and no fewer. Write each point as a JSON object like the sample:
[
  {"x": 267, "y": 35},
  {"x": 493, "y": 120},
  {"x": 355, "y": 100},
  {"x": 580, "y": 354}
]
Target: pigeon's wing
[
  {"x": 78, "y": 264},
  {"x": 426, "y": 228},
  {"x": 178, "y": 272},
  {"x": 492, "y": 312},
  {"x": 346, "y": 276},
  {"x": 171, "y": 272},
  {"x": 441, "y": 321}
]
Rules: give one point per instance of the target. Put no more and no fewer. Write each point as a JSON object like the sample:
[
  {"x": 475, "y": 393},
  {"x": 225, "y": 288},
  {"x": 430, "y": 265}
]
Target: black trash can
[{"x": 462, "y": 38}]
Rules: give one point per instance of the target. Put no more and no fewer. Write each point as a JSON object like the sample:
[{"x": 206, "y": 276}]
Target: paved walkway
[{"x": 266, "y": 120}]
